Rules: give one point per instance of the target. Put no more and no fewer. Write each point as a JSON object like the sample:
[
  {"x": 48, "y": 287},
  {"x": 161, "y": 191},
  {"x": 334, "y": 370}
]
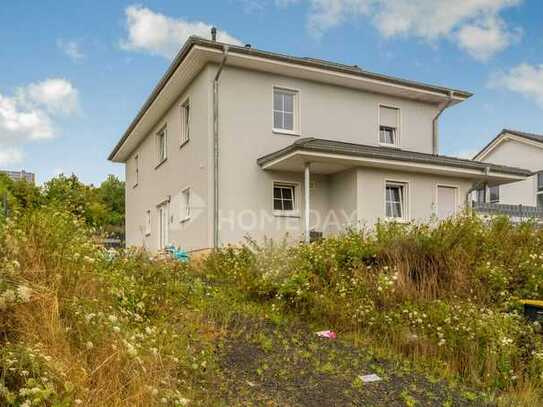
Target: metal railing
[{"x": 515, "y": 212}]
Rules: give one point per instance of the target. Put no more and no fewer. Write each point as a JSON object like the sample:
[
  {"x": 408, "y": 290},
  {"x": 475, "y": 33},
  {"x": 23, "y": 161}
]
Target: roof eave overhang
[
  {"x": 327, "y": 163},
  {"x": 197, "y": 53}
]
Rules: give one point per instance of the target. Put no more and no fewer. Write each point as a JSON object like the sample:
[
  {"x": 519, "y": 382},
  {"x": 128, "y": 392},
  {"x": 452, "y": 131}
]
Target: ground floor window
[
  {"x": 284, "y": 197},
  {"x": 540, "y": 190},
  {"x": 185, "y": 210},
  {"x": 395, "y": 200},
  {"x": 494, "y": 194}
]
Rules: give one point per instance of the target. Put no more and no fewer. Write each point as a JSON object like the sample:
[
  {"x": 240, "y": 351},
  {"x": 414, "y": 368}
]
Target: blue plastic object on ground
[{"x": 178, "y": 254}]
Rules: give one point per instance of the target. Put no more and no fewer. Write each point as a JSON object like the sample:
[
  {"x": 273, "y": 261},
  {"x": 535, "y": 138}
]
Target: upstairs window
[
  {"x": 494, "y": 194},
  {"x": 285, "y": 110},
  {"x": 284, "y": 198},
  {"x": 395, "y": 200},
  {"x": 162, "y": 145},
  {"x": 185, "y": 121},
  {"x": 389, "y": 122}
]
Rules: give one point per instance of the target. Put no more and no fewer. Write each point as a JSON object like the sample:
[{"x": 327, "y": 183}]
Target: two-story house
[
  {"x": 236, "y": 142},
  {"x": 515, "y": 148}
]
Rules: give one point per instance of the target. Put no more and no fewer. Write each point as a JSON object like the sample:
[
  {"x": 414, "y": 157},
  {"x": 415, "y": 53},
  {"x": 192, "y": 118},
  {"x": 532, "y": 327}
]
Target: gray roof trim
[
  {"x": 538, "y": 138},
  {"x": 309, "y": 62},
  {"x": 386, "y": 153}
]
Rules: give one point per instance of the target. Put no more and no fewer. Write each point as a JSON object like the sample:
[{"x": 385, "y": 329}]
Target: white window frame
[
  {"x": 160, "y": 159},
  {"x": 490, "y": 194},
  {"x": 406, "y": 205},
  {"x": 456, "y": 197},
  {"x": 148, "y": 222},
  {"x": 186, "y": 204},
  {"x": 295, "y": 212},
  {"x": 538, "y": 189},
  {"x": 296, "y": 111},
  {"x": 137, "y": 170},
  {"x": 163, "y": 229},
  {"x": 397, "y": 136},
  {"x": 185, "y": 121}
]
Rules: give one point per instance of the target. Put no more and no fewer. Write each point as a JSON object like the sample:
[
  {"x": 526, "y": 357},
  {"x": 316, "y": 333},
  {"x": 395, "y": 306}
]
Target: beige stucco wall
[
  {"x": 421, "y": 195},
  {"x": 186, "y": 166},
  {"x": 327, "y": 112},
  {"x": 347, "y": 198},
  {"x": 522, "y": 155}
]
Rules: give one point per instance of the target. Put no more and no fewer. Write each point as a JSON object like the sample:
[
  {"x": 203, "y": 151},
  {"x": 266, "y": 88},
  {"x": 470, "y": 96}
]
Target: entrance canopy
[{"x": 328, "y": 157}]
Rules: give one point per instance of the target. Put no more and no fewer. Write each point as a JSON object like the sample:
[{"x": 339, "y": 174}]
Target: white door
[
  {"x": 446, "y": 201},
  {"x": 163, "y": 226}
]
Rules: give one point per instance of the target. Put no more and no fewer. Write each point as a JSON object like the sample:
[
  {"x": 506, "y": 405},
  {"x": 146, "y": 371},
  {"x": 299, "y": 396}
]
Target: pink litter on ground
[{"x": 327, "y": 334}]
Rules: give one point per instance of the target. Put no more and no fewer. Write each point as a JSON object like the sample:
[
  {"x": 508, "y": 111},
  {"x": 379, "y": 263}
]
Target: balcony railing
[{"x": 515, "y": 212}]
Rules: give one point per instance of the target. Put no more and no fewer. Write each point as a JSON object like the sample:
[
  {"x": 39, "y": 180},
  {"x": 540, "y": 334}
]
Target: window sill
[
  {"x": 397, "y": 220},
  {"x": 185, "y": 219},
  {"x": 160, "y": 163},
  {"x": 287, "y": 132},
  {"x": 389, "y": 145},
  {"x": 147, "y": 234},
  {"x": 286, "y": 214},
  {"x": 183, "y": 143}
]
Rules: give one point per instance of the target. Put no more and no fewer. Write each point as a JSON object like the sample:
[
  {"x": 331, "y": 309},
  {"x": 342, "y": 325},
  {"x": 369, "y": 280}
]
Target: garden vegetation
[{"x": 81, "y": 325}]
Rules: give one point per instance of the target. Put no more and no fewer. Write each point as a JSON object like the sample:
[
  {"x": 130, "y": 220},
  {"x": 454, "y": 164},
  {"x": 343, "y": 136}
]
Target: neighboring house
[
  {"x": 236, "y": 142},
  {"x": 514, "y": 148},
  {"x": 20, "y": 175}
]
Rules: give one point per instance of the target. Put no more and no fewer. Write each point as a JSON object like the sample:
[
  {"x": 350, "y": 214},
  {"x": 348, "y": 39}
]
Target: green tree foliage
[
  {"x": 101, "y": 207},
  {"x": 111, "y": 194}
]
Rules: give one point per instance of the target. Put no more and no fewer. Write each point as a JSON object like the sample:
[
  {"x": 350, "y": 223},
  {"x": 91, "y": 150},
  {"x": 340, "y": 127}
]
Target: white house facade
[
  {"x": 514, "y": 148},
  {"x": 236, "y": 142}
]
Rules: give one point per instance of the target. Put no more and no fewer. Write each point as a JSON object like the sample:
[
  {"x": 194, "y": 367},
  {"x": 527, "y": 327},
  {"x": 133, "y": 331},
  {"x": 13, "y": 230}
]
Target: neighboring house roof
[
  {"x": 507, "y": 134},
  {"x": 311, "y": 64},
  {"x": 387, "y": 154}
]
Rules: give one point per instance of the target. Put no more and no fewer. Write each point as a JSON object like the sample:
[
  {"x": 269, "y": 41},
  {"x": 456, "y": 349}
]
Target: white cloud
[
  {"x": 56, "y": 95},
  {"x": 18, "y": 121},
  {"x": 159, "y": 34},
  {"x": 71, "y": 49},
  {"x": 524, "y": 79},
  {"x": 10, "y": 156},
  {"x": 31, "y": 113},
  {"x": 474, "y": 24},
  {"x": 484, "y": 39}
]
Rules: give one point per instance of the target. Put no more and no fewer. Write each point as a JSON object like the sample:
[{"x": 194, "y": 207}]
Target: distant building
[{"x": 20, "y": 175}]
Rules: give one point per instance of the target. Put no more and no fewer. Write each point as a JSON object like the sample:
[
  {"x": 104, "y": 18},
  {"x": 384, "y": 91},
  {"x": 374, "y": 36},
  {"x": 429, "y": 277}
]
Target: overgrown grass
[
  {"x": 84, "y": 326},
  {"x": 445, "y": 296}
]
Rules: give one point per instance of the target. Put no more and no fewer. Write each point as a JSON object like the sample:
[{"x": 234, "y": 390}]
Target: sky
[{"x": 73, "y": 74}]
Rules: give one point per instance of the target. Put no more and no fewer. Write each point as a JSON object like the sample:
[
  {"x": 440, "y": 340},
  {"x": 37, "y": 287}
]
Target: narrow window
[
  {"x": 162, "y": 144},
  {"x": 148, "y": 222},
  {"x": 185, "y": 121},
  {"x": 136, "y": 169},
  {"x": 395, "y": 200},
  {"x": 285, "y": 109},
  {"x": 284, "y": 198},
  {"x": 540, "y": 190},
  {"x": 185, "y": 211},
  {"x": 494, "y": 194},
  {"x": 389, "y": 119},
  {"x": 480, "y": 195}
]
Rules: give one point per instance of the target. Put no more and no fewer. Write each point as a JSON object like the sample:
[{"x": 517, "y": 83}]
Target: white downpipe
[{"x": 306, "y": 199}]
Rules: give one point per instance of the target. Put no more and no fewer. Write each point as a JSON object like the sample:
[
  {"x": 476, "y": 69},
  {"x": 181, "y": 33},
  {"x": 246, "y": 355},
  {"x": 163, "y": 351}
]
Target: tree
[{"x": 111, "y": 194}]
